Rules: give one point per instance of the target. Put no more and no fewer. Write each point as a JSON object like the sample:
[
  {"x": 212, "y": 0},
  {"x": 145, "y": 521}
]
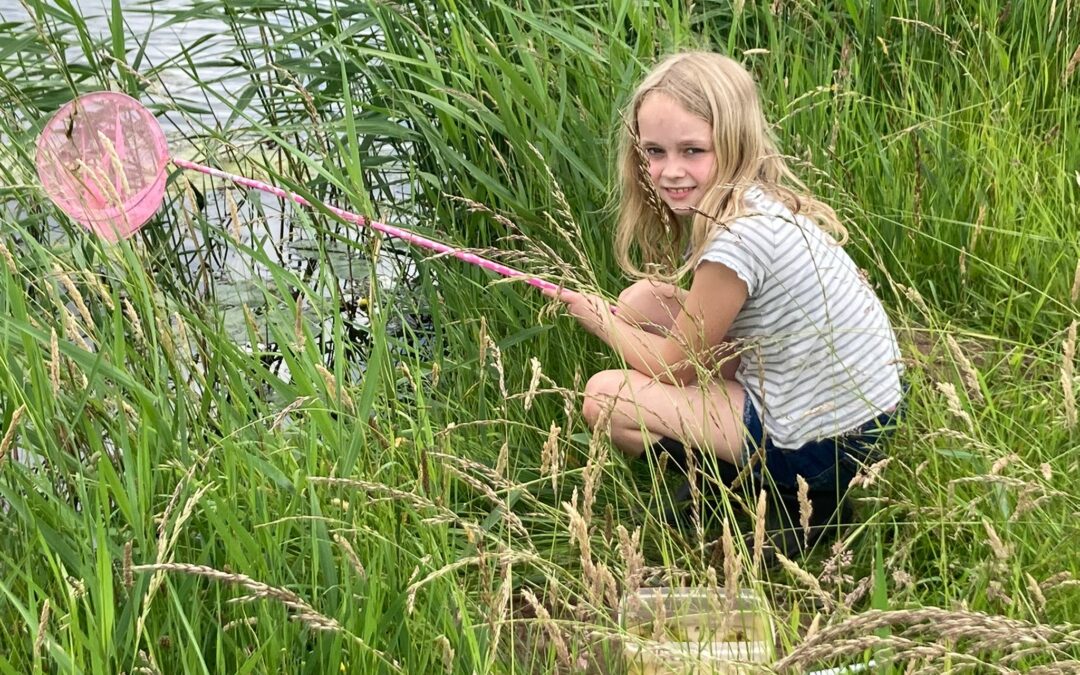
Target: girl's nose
[{"x": 673, "y": 169}]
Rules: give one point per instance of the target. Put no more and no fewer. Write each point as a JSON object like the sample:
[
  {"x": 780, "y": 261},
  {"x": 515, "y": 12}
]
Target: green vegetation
[{"x": 303, "y": 493}]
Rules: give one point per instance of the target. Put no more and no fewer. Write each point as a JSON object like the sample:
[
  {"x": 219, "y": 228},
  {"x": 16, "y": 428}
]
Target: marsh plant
[{"x": 323, "y": 484}]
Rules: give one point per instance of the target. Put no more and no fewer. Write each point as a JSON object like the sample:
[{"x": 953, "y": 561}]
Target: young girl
[{"x": 779, "y": 353}]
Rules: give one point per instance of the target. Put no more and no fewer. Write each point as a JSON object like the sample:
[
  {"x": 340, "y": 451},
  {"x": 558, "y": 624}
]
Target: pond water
[
  {"x": 153, "y": 25},
  {"x": 281, "y": 231},
  {"x": 165, "y": 29}
]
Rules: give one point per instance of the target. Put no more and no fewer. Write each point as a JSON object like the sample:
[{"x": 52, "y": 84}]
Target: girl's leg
[
  {"x": 640, "y": 410},
  {"x": 651, "y": 305}
]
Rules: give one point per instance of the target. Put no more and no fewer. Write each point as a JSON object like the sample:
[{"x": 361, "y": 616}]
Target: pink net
[{"x": 101, "y": 159}]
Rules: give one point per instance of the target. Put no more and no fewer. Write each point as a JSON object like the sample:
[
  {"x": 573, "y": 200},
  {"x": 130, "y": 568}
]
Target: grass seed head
[
  {"x": 496, "y": 361},
  {"x": 1002, "y": 462},
  {"x": 483, "y": 343},
  {"x": 1055, "y": 580},
  {"x": 550, "y": 627},
  {"x": 334, "y": 392},
  {"x": 834, "y": 571},
  {"x": 550, "y": 460},
  {"x": 447, "y": 652},
  {"x": 1067, "y": 385},
  {"x": 354, "y": 559},
  {"x": 502, "y": 604},
  {"x": 1074, "y": 294},
  {"x": 948, "y": 390},
  {"x": 299, "y": 609},
  {"x": 235, "y": 623},
  {"x": 235, "y": 228},
  {"x": 806, "y": 579},
  {"x": 503, "y": 460},
  {"x": 534, "y": 382},
  {"x": 858, "y": 592},
  {"x": 10, "y": 260},
  {"x": 916, "y": 298},
  {"x": 996, "y": 592},
  {"x": 1001, "y": 551},
  {"x": 633, "y": 560},
  {"x": 43, "y": 624},
  {"x": 100, "y": 290},
  {"x": 1035, "y": 592},
  {"x": 759, "y": 528},
  {"x": 902, "y": 578},
  {"x": 1046, "y": 471},
  {"x": 806, "y": 509},
  {"x": 114, "y": 160},
  {"x": 1070, "y": 68},
  {"x": 76, "y": 588},
  {"x": 967, "y": 371},
  {"x": 868, "y": 475},
  {"x": 9, "y": 435},
  {"x": 732, "y": 568}
]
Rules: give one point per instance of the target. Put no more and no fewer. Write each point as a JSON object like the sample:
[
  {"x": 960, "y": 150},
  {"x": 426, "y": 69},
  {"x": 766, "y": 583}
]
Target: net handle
[{"x": 390, "y": 230}]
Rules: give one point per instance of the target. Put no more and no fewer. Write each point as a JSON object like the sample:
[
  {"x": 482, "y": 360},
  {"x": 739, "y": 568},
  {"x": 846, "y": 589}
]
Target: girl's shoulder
[
  {"x": 764, "y": 212},
  {"x": 758, "y": 201}
]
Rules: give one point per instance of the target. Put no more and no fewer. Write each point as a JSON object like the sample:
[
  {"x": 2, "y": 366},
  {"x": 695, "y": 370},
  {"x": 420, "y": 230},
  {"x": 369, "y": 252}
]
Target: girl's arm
[{"x": 714, "y": 300}]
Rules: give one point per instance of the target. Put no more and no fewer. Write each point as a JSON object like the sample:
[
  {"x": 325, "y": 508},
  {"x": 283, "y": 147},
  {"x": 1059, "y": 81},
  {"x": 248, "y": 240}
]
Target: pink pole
[{"x": 410, "y": 237}]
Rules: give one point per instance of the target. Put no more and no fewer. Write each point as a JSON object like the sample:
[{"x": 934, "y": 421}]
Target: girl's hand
[{"x": 591, "y": 311}]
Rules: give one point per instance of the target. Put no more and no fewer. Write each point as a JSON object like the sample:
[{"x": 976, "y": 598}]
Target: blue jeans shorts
[{"x": 826, "y": 465}]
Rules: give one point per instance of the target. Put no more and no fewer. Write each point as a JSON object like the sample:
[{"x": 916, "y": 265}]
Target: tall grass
[{"x": 318, "y": 493}]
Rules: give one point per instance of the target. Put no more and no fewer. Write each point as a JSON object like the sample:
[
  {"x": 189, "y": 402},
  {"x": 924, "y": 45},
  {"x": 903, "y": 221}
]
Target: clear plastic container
[{"x": 691, "y": 630}]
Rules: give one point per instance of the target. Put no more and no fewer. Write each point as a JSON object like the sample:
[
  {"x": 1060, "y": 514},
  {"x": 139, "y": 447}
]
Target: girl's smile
[
  {"x": 678, "y": 194},
  {"x": 680, "y": 150}
]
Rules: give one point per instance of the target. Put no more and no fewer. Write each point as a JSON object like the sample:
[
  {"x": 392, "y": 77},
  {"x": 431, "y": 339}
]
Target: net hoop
[{"x": 102, "y": 158}]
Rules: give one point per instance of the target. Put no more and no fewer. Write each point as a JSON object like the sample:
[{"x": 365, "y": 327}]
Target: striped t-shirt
[{"x": 818, "y": 355}]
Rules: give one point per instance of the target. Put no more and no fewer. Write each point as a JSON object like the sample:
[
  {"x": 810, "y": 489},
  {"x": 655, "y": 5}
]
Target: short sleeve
[{"x": 746, "y": 247}]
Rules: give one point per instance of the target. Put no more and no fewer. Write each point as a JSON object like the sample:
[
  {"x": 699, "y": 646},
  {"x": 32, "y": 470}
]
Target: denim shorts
[{"x": 826, "y": 465}]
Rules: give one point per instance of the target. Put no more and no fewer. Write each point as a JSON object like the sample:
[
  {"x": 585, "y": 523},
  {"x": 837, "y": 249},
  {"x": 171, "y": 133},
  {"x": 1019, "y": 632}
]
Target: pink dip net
[{"x": 102, "y": 159}]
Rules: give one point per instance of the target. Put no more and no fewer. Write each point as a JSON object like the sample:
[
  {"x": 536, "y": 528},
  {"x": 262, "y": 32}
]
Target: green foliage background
[{"x": 944, "y": 132}]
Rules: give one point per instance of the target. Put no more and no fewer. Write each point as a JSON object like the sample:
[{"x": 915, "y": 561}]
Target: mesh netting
[{"x": 101, "y": 159}]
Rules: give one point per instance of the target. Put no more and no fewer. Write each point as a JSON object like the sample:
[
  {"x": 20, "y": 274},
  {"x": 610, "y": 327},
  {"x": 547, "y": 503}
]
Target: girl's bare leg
[
  {"x": 651, "y": 305},
  {"x": 640, "y": 410}
]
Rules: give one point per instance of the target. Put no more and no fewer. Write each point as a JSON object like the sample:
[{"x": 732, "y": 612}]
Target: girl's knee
[
  {"x": 646, "y": 292},
  {"x": 631, "y": 292},
  {"x": 651, "y": 305},
  {"x": 599, "y": 395}
]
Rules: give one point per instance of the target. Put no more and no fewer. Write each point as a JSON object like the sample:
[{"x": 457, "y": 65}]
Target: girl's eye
[
  {"x": 653, "y": 152},
  {"x": 694, "y": 151}
]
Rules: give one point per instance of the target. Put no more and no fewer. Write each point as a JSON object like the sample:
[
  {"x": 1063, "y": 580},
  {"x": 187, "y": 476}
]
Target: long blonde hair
[{"x": 721, "y": 92}]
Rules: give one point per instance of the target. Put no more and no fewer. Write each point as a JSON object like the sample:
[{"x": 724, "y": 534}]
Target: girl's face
[{"x": 680, "y": 150}]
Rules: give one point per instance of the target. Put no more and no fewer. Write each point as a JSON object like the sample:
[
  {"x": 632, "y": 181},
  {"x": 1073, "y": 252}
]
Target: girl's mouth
[{"x": 678, "y": 193}]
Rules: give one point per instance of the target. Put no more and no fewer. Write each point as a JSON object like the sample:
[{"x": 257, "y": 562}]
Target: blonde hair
[{"x": 721, "y": 92}]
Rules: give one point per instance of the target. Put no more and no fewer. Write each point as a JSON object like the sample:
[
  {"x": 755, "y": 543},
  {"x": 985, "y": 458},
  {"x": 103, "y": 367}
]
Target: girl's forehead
[
  {"x": 657, "y": 97},
  {"x": 661, "y": 114}
]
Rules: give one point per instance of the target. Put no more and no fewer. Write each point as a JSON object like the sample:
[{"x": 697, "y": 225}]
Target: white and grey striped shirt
[{"x": 818, "y": 355}]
